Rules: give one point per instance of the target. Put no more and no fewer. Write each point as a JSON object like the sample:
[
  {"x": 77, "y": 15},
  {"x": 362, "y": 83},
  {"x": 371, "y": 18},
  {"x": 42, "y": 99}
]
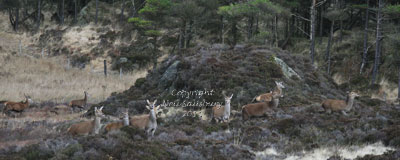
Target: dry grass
[{"x": 48, "y": 80}]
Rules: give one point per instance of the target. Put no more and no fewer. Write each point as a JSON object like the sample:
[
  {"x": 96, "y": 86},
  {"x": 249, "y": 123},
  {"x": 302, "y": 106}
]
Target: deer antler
[{"x": 223, "y": 93}]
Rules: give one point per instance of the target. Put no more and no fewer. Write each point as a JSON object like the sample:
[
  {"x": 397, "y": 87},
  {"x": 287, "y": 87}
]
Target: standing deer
[
  {"x": 147, "y": 122},
  {"x": 81, "y": 103},
  {"x": 330, "y": 105},
  {"x": 117, "y": 125},
  {"x": 268, "y": 96},
  {"x": 88, "y": 127},
  {"x": 259, "y": 109},
  {"x": 16, "y": 106},
  {"x": 222, "y": 113}
]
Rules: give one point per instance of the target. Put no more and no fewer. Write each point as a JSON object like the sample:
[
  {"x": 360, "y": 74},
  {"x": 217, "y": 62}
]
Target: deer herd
[{"x": 261, "y": 105}]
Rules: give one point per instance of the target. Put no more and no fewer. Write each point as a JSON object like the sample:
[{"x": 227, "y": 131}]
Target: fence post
[
  {"x": 68, "y": 63},
  {"x": 20, "y": 47},
  {"x": 105, "y": 68},
  {"x": 120, "y": 73}
]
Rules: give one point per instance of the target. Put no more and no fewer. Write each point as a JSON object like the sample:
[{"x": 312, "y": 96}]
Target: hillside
[
  {"x": 298, "y": 124},
  {"x": 189, "y": 56}
]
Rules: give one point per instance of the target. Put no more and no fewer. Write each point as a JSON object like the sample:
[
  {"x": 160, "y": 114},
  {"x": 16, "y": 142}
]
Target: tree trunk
[
  {"x": 38, "y": 16},
  {"x": 62, "y": 12},
  {"x": 341, "y": 31},
  {"x": 321, "y": 24},
  {"x": 378, "y": 38},
  {"x": 75, "y": 10},
  {"x": 222, "y": 30},
  {"x": 182, "y": 35},
  {"x": 189, "y": 34},
  {"x": 122, "y": 11},
  {"x": 234, "y": 32},
  {"x": 250, "y": 27},
  {"x": 97, "y": 11},
  {"x": 312, "y": 32},
  {"x": 133, "y": 9},
  {"x": 398, "y": 89},
  {"x": 257, "y": 23},
  {"x": 328, "y": 48},
  {"x": 276, "y": 31},
  {"x": 364, "y": 56}
]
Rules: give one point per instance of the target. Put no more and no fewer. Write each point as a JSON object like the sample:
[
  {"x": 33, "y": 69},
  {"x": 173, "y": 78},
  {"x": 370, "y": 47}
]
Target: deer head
[
  {"x": 279, "y": 84},
  {"x": 99, "y": 112}
]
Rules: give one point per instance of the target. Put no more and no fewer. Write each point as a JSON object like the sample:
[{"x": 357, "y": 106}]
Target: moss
[
  {"x": 370, "y": 102},
  {"x": 183, "y": 142},
  {"x": 32, "y": 153},
  {"x": 214, "y": 127},
  {"x": 71, "y": 149},
  {"x": 395, "y": 142},
  {"x": 139, "y": 82},
  {"x": 134, "y": 131},
  {"x": 189, "y": 130},
  {"x": 287, "y": 126}
]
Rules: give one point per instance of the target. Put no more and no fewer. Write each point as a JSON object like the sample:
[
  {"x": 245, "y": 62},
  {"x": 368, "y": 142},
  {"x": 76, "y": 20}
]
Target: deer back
[
  {"x": 218, "y": 111},
  {"x": 114, "y": 126},
  {"x": 82, "y": 128},
  {"x": 334, "y": 104},
  {"x": 256, "y": 109},
  {"x": 140, "y": 121}
]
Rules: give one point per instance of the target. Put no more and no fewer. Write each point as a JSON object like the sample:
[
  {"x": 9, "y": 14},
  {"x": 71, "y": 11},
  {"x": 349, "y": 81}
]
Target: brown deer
[
  {"x": 268, "y": 96},
  {"x": 147, "y": 122},
  {"x": 81, "y": 103},
  {"x": 88, "y": 127},
  {"x": 16, "y": 106},
  {"x": 330, "y": 105},
  {"x": 222, "y": 113},
  {"x": 259, "y": 109},
  {"x": 117, "y": 125}
]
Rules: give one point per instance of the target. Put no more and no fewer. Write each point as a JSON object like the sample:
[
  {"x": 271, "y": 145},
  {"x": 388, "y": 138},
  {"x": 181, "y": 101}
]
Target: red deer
[
  {"x": 81, "y": 103},
  {"x": 330, "y": 105},
  {"x": 117, "y": 125},
  {"x": 88, "y": 127},
  {"x": 147, "y": 122},
  {"x": 259, "y": 109},
  {"x": 268, "y": 96},
  {"x": 16, "y": 106},
  {"x": 222, "y": 113}
]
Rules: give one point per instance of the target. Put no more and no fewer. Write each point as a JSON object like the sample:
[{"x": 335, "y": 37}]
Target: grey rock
[{"x": 169, "y": 75}]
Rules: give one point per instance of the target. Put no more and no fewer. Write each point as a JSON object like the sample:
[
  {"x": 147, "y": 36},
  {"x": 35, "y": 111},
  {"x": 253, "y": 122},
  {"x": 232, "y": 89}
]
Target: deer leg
[
  {"x": 329, "y": 111},
  {"x": 152, "y": 132}
]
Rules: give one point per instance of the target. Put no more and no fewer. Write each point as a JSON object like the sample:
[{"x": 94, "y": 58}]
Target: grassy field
[{"x": 48, "y": 79}]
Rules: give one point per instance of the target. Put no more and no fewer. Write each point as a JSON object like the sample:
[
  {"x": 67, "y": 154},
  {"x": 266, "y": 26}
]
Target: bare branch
[
  {"x": 302, "y": 31},
  {"x": 301, "y": 17}
]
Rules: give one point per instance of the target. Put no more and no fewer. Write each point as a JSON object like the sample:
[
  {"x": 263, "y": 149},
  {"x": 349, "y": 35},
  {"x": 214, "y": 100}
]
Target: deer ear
[
  {"x": 154, "y": 101},
  {"x": 148, "y": 102},
  {"x": 158, "y": 107},
  {"x": 95, "y": 108},
  {"x": 148, "y": 107},
  {"x": 101, "y": 108},
  {"x": 231, "y": 96}
]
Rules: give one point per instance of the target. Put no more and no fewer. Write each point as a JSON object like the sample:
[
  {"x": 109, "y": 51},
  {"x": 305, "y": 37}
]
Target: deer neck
[
  {"x": 153, "y": 117},
  {"x": 85, "y": 99},
  {"x": 274, "y": 102},
  {"x": 227, "y": 109},
  {"x": 96, "y": 125},
  {"x": 349, "y": 103},
  {"x": 278, "y": 90},
  {"x": 26, "y": 103},
  {"x": 126, "y": 120}
]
